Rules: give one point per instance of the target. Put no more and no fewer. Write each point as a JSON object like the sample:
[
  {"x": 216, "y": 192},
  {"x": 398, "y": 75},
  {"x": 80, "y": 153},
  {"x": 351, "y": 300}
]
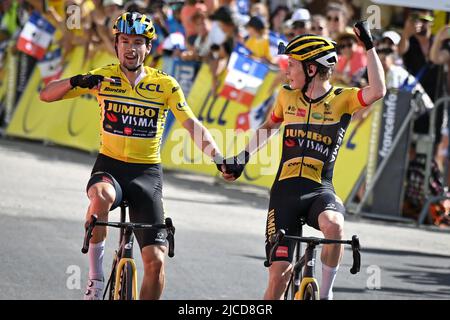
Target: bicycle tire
[
  {"x": 112, "y": 279},
  {"x": 311, "y": 292},
  {"x": 126, "y": 282}
]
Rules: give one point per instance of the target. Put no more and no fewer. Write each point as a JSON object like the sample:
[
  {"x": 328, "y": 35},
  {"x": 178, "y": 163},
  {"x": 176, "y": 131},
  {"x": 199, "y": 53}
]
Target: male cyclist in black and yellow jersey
[
  {"x": 134, "y": 102},
  {"x": 315, "y": 116}
]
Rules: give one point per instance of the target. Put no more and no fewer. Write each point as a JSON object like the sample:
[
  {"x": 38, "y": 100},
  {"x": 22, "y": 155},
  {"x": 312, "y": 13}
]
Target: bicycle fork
[
  {"x": 126, "y": 256},
  {"x": 302, "y": 281}
]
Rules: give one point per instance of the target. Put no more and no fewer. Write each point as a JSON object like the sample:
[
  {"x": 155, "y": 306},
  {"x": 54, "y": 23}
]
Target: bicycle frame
[
  {"x": 299, "y": 281},
  {"x": 124, "y": 254}
]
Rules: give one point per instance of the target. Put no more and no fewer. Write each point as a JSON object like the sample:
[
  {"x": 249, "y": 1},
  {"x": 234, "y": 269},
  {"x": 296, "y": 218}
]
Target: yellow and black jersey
[
  {"x": 313, "y": 135},
  {"x": 133, "y": 117}
]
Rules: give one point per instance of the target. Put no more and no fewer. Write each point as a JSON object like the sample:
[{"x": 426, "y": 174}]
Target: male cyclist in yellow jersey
[
  {"x": 315, "y": 115},
  {"x": 134, "y": 102}
]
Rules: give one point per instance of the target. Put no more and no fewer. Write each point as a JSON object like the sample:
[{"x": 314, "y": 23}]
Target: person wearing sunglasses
[
  {"x": 351, "y": 58},
  {"x": 319, "y": 25},
  {"x": 337, "y": 19},
  {"x": 414, "y": 46}
]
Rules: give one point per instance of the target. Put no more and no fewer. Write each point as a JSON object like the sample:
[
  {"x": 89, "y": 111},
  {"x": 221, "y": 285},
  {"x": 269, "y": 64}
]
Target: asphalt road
[{"x": 219, "y": 239}]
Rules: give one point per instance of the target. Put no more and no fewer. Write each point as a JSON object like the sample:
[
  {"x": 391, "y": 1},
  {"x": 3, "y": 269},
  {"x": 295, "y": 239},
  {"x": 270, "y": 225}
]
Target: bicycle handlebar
[
  {"x": 88, "y": 233},
  {"x": 93, "y": 223},
  {"x": 276, "y": 238}
]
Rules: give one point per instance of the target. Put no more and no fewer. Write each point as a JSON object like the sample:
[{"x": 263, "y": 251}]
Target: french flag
[
  {"x": 254, "y": 118},
  {"x": 51, "y": 66},
  {"x": 274, "y": 39},
  {"x": 36, "y": 36},
  {"x": 243, "y": 79}
]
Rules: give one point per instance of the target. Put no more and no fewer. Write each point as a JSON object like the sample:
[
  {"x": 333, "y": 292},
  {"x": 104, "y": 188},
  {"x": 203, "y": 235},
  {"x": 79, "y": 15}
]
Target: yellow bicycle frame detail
[
  {"x": 120, "y": 266},
  {"x": 303, "y": 284}
]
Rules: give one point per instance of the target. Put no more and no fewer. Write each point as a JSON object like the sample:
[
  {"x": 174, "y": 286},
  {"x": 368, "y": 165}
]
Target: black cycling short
[
  {"x": 141, "y": 186},
  {"x": 291, "y": 200}
]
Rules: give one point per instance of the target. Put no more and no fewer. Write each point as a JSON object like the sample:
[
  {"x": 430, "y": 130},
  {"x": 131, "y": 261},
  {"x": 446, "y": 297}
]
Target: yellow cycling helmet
[
  {"x": 311, "y": 48},
  {"x": 134, "y": 23}
]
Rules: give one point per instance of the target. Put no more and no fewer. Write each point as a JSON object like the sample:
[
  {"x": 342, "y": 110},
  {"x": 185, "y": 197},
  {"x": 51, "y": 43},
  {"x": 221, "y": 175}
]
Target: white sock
[
  {"x": 328, "y": 276},
  {"x": 96, "y": 251}
]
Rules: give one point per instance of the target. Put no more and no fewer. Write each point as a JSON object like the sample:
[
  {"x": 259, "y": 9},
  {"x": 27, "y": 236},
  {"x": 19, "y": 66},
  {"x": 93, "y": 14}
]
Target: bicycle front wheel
[
  {"x": 311, "y": 292},
  {"x": 126, "y": 282}
]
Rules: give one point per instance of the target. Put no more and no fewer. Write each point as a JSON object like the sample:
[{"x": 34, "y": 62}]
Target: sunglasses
[
  {"x": 345, "y": 45},
  {"x": 386, "y": 51},
  {"x": 316, "y": 28},
  {"x": 299, "y": 24},
  {"x": 331, "y": 18}
]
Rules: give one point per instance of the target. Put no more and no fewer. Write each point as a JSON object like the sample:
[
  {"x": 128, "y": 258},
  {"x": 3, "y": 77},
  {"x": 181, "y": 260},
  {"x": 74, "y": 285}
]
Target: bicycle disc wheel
[
  {"x": 311, "y": 292},
  {"x": 126, "y": 282}
]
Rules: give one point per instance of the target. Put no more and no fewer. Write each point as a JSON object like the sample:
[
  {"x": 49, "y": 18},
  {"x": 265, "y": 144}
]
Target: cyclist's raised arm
[
  {"x": 72, "y": 87},
  {"x": 377, "y": 87},
  {"x": 55, "y": 90}
]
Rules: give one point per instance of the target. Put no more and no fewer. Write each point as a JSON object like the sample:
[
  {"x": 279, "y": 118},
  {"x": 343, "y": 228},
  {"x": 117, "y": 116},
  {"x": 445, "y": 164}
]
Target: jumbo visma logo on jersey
[{"x": 130, "y": 120}]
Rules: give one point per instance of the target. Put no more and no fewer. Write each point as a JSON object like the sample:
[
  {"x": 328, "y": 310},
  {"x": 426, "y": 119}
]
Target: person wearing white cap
[
  {"x": 300, "y": 22},
  {"x": 393, "y": 36}
]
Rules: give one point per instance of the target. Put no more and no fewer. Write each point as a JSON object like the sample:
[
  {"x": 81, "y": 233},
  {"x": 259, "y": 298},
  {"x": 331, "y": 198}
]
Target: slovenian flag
[
  {"x": 244, "y": 76},
  {"x": 51, "y": 66},
  {"x": 36, "y": 36},
  {"x": 254, "y": 118}
]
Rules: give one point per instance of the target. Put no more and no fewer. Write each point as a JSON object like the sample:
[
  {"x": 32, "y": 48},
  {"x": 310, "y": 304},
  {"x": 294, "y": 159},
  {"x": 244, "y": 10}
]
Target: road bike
[
  {"x": 304, "y": 286},
  {"x": 122, "y": 282}
]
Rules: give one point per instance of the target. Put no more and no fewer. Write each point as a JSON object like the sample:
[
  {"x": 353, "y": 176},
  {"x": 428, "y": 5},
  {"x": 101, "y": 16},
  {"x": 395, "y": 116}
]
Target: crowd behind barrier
[{"x": 224, "y": 54}]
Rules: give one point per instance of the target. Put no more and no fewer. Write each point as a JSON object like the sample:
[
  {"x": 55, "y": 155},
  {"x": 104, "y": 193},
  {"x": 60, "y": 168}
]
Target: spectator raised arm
[{"x": 440, "y": 50}]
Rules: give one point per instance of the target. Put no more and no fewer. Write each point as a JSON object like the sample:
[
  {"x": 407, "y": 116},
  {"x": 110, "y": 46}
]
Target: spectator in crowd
[
  {"x": 258, "y": 40},
  {"x": 261, "y": 11},
  {"x": 174, "y": 22},
  {"x": 190, "y": 8},
  {"x": 337, "y": 19},
  {"x": 277, "y": 18},
  {"x": 218, "y": 57},
  {"x": 414, "y": 46},
  {"x": 440, "y": 50},
  {"x": 440, "y": 55},
  {"x": 199, "y": 48},
  {"x": 319, "y": 25},
  {"x": 300, "y": 22},
  {"x": 102, "y": 22},
  {"x": 351, "y": 60}
]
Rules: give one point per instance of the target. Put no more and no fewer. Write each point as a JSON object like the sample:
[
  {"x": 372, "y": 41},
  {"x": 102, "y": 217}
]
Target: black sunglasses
[
  {"x": 316, "y": 28},
  {"x": 345, "y": 45},
  {"x": 330, "y": 18}
]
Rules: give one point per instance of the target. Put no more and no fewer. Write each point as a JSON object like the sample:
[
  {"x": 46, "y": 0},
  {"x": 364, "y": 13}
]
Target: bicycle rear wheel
[
  {"x": 311, "y": 292},
  {"x": 126, "y": 282}
]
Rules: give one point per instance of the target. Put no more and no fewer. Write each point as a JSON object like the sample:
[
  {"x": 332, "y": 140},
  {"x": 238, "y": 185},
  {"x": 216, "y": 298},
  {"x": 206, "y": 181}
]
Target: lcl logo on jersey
[{"x": 149, "y": 90}]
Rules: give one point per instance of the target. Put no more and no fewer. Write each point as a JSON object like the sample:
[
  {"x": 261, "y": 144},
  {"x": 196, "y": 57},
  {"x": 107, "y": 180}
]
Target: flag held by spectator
[
  {"x": 254, "y": 118},
  {"x": 36, "y": 36},
  {"x": 244, "y": 76},
  {"x": 51, "y": 66}
]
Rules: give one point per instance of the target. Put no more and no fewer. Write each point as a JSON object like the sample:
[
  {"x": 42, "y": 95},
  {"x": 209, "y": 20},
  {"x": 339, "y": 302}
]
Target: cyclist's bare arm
[
  {"x": 262, "y": 135},
  {"x": 258, "y": 140},
  {"x": 202, "y": 137},
  {"x": 55, "y": 90},
  {"x": 377, "y": 87}
]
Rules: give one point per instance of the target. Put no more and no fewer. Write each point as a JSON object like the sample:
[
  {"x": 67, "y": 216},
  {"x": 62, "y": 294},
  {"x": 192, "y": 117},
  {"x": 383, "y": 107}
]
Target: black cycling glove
[
  {"x": 218, "y": 161},
  {"x": 364, "y": 34},
  {"x": 236, "y": 165},
  {"x": 86, "y": 81}
]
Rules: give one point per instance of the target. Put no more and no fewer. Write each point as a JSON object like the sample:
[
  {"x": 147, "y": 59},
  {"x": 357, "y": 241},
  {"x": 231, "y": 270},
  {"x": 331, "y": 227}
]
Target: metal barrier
[{"x": 358, "y": 208}]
